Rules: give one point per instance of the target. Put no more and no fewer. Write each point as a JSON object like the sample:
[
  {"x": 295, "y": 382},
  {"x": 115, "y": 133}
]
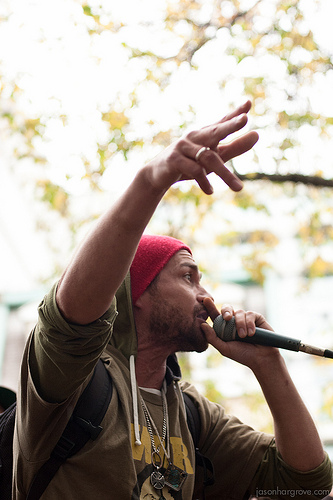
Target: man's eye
[{"x": 188, "y": 276}]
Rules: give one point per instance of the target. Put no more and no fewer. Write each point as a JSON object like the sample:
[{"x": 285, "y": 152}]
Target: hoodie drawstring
[{"x": 135, "y": 401}]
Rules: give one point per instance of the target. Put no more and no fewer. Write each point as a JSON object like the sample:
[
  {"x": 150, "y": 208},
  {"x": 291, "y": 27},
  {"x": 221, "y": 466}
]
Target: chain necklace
[
  {"x": 157, "y": 479},
  {"x": 173, "y": 476}
]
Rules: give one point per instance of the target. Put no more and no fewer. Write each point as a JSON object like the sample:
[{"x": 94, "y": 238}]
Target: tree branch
[{"x": 307, "y": 180}]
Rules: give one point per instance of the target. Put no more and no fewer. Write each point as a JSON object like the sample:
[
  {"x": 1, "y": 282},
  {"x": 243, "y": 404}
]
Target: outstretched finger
[
  {"x": 203, "y": 182},
  {"x": 213, "y": 163},
  {"x": 238, "y": 146},
  {"x": 243, "y": 108},
  {"x": 205, "y": 161},
  {"x": 212, "y": 135}
]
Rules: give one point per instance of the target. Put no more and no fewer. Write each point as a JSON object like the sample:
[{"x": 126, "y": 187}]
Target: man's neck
[{"x": 150, "y": 369}]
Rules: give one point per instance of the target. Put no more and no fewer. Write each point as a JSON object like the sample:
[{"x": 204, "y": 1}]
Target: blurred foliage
[
  {"x": 254, "y": 32},
  {"x": 319, "y": 268},
  {"x": 54, "y": 196},
  {"x": 251, "y": 32},
  {"x": 23, "y": 127},
  {"x": 316, "y": 232},
  {"x": 243, "y": 34}
]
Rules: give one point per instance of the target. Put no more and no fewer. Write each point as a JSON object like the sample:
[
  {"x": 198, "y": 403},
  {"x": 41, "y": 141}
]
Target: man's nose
[{"x": 203, "y": 294}]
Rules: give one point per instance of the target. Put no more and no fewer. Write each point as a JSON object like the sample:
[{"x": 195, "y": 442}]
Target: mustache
[{"x": 200, "y": 311}]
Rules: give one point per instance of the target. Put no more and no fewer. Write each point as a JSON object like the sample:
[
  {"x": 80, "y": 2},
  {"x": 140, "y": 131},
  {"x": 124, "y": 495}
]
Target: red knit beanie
[{"x": 153, "y": 253}]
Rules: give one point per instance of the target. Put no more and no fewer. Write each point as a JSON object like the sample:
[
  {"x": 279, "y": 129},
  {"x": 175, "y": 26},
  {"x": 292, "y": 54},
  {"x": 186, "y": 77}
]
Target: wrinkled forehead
[{"x": 180, "y": 259}]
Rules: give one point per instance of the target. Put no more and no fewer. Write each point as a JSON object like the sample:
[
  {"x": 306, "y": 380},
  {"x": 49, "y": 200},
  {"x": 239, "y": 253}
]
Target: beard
[{"x": 170, "y": 327}]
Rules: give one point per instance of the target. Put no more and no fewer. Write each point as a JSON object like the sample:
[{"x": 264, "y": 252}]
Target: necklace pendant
[
  {"x": 174, "y": 477},
  {"x": 157, "y": 480}
]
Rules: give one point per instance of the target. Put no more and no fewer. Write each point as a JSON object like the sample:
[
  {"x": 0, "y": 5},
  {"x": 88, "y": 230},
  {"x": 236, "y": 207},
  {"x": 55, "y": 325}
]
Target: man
[{"x": 135, "y": 301}]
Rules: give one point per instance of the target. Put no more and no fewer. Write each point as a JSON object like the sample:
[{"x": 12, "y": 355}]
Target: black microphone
[{"x": 226, "y": 330}]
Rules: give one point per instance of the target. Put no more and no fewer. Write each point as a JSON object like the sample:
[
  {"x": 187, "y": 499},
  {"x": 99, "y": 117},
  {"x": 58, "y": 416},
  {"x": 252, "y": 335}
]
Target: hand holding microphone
[{"x": 226, "y": 331}]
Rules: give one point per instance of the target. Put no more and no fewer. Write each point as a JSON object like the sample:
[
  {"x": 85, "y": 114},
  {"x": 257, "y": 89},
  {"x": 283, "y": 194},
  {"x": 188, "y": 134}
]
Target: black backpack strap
[
  {"x": 193, "y": 419},
  {"x": 7, "y": 424},
  {"x": 83, "y": 425},
  {"x": 194, "y": 424}
]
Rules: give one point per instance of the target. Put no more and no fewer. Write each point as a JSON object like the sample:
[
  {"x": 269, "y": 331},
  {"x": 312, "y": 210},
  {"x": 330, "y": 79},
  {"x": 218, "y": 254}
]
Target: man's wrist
[
  {"x": 264, "y": 366},
  {"x": 150, "y": 184}
]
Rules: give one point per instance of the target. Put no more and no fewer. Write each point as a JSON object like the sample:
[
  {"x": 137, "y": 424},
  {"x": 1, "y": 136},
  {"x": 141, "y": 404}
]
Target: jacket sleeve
[
  {"x": 63, "y": 355},
  {"x": 275, "y": 479}
]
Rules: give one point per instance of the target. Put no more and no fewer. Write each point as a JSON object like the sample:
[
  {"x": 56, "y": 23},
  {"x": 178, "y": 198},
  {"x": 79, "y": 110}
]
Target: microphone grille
[
  {"x": 230, "y": 330},
  {"x": 219, "y": 325},
  {"x": 224, "y": 329}
]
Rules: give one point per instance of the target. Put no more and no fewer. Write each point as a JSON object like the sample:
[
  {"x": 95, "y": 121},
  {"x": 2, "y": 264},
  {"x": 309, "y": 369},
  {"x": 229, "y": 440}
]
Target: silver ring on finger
[{"x": 199, "y": 153}]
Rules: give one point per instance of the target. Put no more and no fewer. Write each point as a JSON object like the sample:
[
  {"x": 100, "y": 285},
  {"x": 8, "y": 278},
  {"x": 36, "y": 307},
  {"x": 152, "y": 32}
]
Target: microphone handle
[{"x": 226, "y": 330}]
